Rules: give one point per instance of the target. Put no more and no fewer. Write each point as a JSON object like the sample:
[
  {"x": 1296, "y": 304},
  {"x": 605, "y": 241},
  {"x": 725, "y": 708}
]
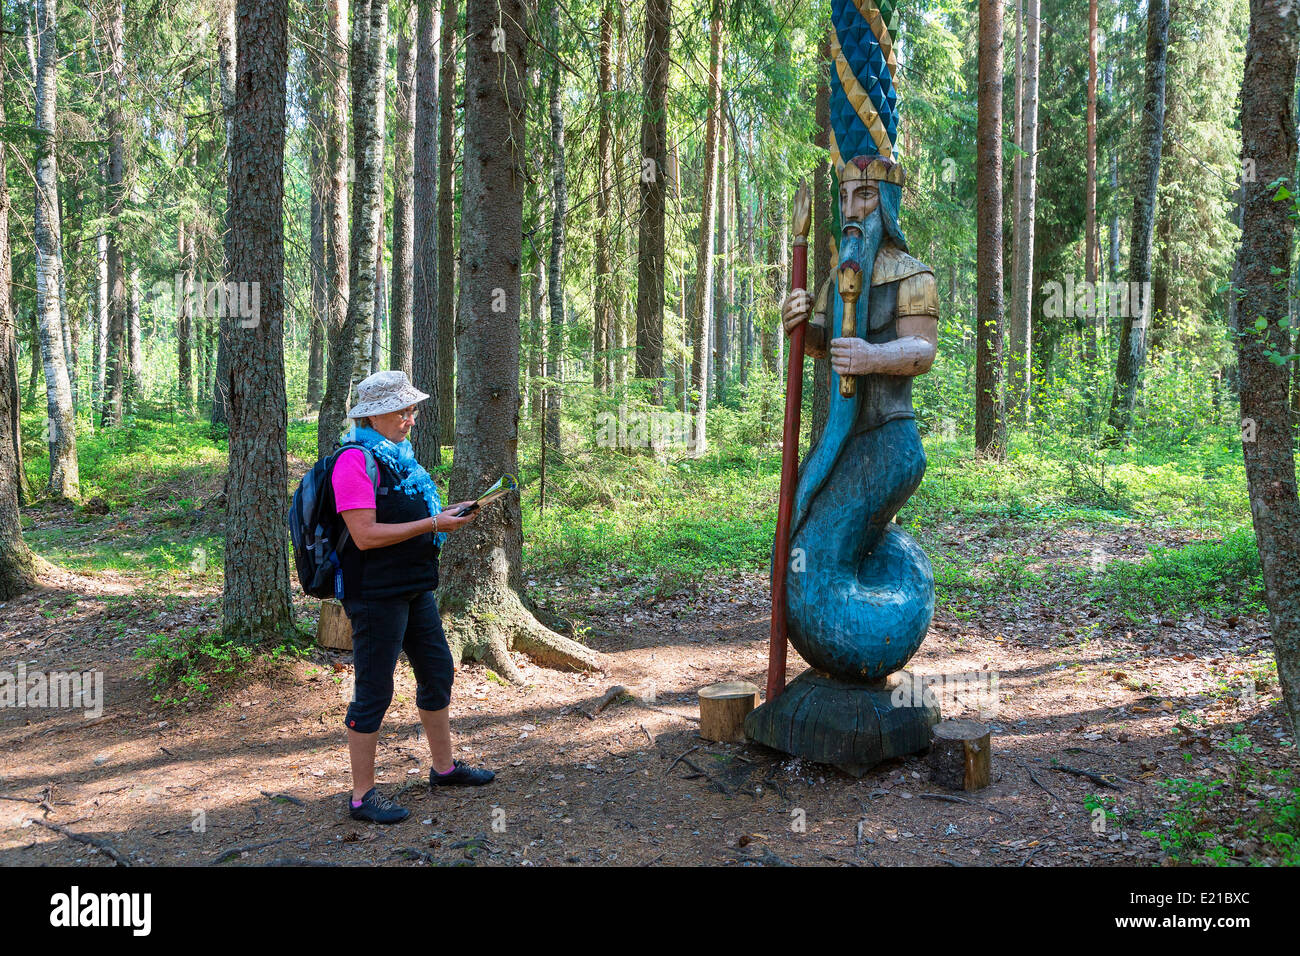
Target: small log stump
[
  {"x": 723, "y": 709},
  {"x": 959, "y": 755},
  {"x": 334, "y": 629}
]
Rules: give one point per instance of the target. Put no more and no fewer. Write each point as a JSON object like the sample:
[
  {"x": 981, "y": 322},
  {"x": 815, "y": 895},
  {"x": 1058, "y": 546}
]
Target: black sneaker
[
  {"x": 462, "y": 776},
  {"x": 377, "y": 809}
]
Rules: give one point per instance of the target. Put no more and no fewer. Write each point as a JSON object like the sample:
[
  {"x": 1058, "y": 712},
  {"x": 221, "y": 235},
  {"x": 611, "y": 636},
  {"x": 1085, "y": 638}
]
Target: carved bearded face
[{"x": 859, "y": 198}]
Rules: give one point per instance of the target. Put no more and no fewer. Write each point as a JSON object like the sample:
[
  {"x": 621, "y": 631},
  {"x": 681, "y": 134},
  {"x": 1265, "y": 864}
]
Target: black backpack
[{"x": 313, "y": 523}]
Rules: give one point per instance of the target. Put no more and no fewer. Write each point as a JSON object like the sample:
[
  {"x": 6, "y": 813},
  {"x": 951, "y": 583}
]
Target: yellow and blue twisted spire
[{"x": 864, "y": 95}]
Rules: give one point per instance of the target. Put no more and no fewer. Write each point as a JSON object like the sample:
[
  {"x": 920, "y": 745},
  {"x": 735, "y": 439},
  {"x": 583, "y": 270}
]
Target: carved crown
[{"x": 872, "y": 167}]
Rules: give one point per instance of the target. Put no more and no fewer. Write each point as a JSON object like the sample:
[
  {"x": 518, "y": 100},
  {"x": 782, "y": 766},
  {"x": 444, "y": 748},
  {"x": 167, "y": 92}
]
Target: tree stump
[
  {"x": 334, "y": 630},
  {"x": 959, "y": 755},
  {"x": 723, "y": 709}
]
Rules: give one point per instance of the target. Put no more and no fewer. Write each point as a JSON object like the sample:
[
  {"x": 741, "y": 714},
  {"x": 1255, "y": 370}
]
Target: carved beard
[{"x": 860, "y": 241}]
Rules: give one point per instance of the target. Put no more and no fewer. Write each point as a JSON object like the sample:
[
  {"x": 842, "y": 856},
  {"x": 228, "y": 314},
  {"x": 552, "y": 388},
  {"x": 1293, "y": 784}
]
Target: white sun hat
[{"x": 383, "y": 392}]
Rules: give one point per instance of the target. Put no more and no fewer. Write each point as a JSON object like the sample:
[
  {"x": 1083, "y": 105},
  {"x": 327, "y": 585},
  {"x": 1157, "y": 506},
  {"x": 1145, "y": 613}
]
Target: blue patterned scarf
[{"x": 400, "y": 458}]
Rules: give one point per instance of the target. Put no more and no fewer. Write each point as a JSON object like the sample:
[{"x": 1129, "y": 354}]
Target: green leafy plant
[{"x": 190, "y": 664}]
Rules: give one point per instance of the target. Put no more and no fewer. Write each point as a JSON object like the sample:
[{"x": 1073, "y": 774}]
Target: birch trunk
[{"x": 48, "y": 241}]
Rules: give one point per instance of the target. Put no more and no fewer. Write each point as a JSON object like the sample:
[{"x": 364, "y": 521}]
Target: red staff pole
[{"x": 789, "y": 453}]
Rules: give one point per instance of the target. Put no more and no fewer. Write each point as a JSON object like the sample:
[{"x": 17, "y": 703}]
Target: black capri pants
[{"x": 381, "y": 629}]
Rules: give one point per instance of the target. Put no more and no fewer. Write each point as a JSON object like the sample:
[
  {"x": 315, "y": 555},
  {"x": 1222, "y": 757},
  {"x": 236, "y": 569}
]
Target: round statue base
[{"x": 852, "y": 726}]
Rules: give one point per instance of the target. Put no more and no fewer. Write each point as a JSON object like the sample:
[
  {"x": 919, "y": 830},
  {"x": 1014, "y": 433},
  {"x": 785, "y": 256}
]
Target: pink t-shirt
[{"x": 352, "y": 486}]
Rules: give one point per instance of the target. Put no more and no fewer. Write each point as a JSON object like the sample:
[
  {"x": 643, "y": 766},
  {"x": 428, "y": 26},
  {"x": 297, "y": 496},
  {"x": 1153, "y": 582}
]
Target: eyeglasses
[{"x": 411, "y": 413}]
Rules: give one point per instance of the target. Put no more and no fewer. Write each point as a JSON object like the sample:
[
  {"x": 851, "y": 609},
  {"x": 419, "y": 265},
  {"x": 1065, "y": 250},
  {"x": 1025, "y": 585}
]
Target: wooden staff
[
  {"x": 850, "y": 289},
  {"x": 789, "y": 452}
]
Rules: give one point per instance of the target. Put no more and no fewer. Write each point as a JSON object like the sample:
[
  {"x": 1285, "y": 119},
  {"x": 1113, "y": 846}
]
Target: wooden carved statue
[{"x": 857, "y": 591}]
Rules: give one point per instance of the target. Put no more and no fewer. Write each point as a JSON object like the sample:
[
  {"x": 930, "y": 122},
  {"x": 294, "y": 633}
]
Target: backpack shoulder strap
[
  {"x": 372, "y": 466},
  {"x": 372, "y": 471}
]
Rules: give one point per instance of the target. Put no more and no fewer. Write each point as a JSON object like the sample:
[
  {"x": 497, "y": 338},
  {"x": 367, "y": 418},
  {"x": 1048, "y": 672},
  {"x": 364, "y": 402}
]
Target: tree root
[
  {"x": 488, "y": 628},
  {"x": 555, "y": 650},
  {"x": 497, "y": 656}
]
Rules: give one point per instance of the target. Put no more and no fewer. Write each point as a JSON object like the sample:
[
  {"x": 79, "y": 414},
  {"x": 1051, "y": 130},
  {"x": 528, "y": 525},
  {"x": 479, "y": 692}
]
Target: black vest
[{"x": 402, "y": 568}]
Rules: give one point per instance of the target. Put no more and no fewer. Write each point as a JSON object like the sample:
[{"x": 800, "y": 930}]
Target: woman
[{"x": 398, "y": 526}]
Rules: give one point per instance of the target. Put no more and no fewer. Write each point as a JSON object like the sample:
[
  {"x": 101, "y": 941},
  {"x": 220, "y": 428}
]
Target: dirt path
[{"x": 258, "y": 775}]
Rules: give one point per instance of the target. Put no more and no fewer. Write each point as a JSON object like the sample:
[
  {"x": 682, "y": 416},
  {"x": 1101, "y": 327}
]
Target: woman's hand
[{"x": 449, "y": 520}]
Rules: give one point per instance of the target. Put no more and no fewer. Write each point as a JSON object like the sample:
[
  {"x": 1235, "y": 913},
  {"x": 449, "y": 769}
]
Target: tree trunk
[
  {"x": 651, "y": 248},
  {"x": 255, "y": 599},
  {"x": 555, "y": 280},
  {"x": 115, "y": 383},
  {"x": 339, "y": 342},
  {"x": 751, "y": 252},
  {"x": 602, "y": 313},
  {"x": 219, "y": 413},
  {"x": 481, "y": 566},
  {"x": 683, "y": 301},
  {"x": 1090, "y": 254},
  {"x": 184, "y": 298},
  {"x": 1020, "y": 367},
  {"x": 701, "y": 315},
  {"x": 721, "y": 301},
  {"x": 101, "y": 332},
  {"x": 447, "y": 258},
  {"x": 769, "y": 336},
  {"x": 1267, "y": 137},
  {"x": 369, "y": 46},
  {"x": 136, "y": 363},
  {"x": 1017, "y": 137},
  {"x": 316, "y": 123},
  {"x": 990, "y": 423},
  {"x": 378, "y": 357},
  {"x": 17, "y": 567},
  {"x": 1133, "y": 334},
  {"x": 68, "y": 328},
  {"x": 48, "y": 241},
  {"x": 425, "y": 280},
  {"x": 34, "y": 350},
  {"x": 400, "y": 317}
]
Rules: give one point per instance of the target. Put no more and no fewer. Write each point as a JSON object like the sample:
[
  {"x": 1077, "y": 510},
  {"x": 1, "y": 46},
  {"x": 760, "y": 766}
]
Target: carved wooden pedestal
[{"x": 851, "y": 726}]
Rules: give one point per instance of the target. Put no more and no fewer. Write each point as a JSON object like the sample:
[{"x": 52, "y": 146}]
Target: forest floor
[{"x": 1176, "y": 715}]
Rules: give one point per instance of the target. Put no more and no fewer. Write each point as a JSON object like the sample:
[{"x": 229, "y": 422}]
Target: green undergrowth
[
  {"x": 151, "y": 507},
  {"x": 1248, "y": 817},
  {"x": 191, "y": 664}
]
